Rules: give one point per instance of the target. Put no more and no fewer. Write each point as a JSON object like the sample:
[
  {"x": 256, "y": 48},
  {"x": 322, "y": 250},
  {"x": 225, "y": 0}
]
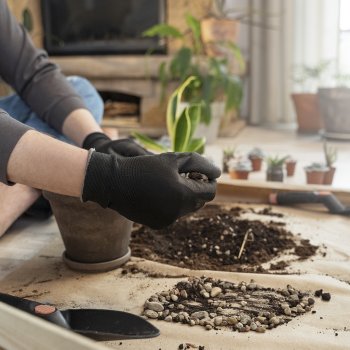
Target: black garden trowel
[{"x": 98, "y": 324}]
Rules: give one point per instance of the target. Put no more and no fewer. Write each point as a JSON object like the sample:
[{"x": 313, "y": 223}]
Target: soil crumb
[
  {"x": 216, "y": 304},
  {"x": 216, "y": 238}
]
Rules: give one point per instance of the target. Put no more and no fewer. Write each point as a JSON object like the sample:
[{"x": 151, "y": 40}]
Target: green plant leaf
[
  {"x": 195, "y": 27},
  {"x": 196, "y": 145},
  {"x": 234, "y": 93},
  {"x": 27, "y": 19},
  {"x": 237, "y": 53},
  {"x": 163, "y": 30},
  {"x": 149, "y": 143},
  {"x": 181, "y": 63},
  {"x": 194, "y": 112},
  {"x": 182, "y": 132}
]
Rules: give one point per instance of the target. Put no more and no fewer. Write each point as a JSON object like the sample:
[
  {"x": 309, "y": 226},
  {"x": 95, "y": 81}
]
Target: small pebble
[
  {"x": 174, "y": 297},
  {"x": 326, "y": 296},
  {"x": 208, "y": 327},
  {"x": 168, "y": 318},
  {"x": 183, "y": 293},
  {"x": 215, "y": 292},
  {"x": 151, "y": 314},
  {"x": 155, "y": 306},
  {"x": 318, "y": 293},
  {"x": 261, "y": 329}
]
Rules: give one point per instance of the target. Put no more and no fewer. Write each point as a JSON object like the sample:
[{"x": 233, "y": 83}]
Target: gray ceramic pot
[{"x": 95, "y": 239}]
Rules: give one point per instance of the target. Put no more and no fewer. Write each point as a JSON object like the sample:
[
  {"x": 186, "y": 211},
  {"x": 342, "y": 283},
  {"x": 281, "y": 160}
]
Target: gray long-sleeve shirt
[{"x": 38, "y": 81}]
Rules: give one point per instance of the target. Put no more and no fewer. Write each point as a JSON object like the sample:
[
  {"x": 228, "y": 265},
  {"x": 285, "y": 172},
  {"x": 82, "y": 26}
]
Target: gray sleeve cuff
[{"x": 10, "y": 132}]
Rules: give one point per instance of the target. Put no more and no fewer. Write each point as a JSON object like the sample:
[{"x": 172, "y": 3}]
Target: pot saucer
[{"x": 96, "y": 267}]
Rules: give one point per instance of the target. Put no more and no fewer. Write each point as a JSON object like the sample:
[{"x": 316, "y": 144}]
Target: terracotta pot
[
  {"x": 328, "y": 176},
  {"x": 214, "y": 31},
  {"x": 290, "y": 167},
  {"x": 239, "y": 174},
  {"x": 315, "y": 177},
  {"x": 274, "y": 174},
  {"x": 256, "y": 163},
  {"x": 95, "y": 239},
  {"x": 308, "y": 113}
]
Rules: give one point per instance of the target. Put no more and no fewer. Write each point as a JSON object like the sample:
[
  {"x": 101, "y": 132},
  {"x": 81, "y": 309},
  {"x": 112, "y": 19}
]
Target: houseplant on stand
[
  {"x": 274, "y": 170},
  {"x": 290, "y": 166},
  {"x": 330, "y": 154},
  {"x": 315, "y": 173},
  {"x": 228, "y": 154},
  {"x": 256, "y": 156},
  {"x": 240, "y": 168},
  {"x": 305, "y": 102},
  {"x": 217, "y": 88}
]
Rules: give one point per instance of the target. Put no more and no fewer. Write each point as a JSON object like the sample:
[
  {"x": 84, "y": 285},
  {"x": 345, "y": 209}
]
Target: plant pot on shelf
[
  {"x": 334, "y": 109},
  {"x": 239, "y": 174},
  {"x": 217, "y": 30},
  {"x": 256, "y": 163},
  {"x": 95, "y": 239},
  {"x": 328, "y": 176},
  {"x": 308, "y": 113},
  {"x": 274, "y": 173},
  {"x": 290, "y": 167}
]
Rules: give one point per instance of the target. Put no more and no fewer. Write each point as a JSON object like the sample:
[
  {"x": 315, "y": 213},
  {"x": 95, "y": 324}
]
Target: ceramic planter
[
  {"x": 274, "y": 173},
  {"x": 308, "y": 113},
  {"x": 334, "y": 110},
  {"x": 239, "y": 174},
  {"x": 315, "y": 177},
  {"x": 290, "y": 167},
  {"x": 328, "y": 176},
  {"x": 256, "y": 163},
  {"x": 218, "y": 30},
  {"x": 95, "y": 239}
]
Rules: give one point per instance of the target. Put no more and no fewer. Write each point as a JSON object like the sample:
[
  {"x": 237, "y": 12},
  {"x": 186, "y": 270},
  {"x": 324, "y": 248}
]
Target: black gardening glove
[
  {"x": 122, "y": 148},
  {"x": 149, "y": 189}
]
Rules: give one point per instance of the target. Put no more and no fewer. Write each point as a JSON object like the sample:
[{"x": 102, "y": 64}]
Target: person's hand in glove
[
  {"x": 149, "y": 189},
  {"x": 123, "y": 147}
]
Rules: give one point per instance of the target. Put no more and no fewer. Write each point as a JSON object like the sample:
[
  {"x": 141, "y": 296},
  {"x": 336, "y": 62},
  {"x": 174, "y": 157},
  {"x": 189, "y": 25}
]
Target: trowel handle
[
  {"x": 45, "y": 311},
  {"x": 326, "y": 198}
]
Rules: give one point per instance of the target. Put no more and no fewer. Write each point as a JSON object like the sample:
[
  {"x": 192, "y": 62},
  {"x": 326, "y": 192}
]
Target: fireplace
[{"x": 97, "y": 27}]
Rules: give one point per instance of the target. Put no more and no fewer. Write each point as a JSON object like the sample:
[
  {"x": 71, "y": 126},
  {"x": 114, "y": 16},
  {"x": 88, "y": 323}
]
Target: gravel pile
[{"x": 216, "y": 304}]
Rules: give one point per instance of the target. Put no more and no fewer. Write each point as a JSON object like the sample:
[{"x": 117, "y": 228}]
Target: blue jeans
[{"x": 19, "y": 110}]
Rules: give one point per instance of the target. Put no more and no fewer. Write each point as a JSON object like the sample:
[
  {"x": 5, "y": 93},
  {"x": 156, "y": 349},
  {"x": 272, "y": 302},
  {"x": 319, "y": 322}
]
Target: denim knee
[{"x": 89, "y": 94}]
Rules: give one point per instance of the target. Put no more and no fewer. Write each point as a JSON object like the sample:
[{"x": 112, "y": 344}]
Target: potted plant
[
  {"x": 330, "y": 154},
  {"x": 228, "y": 154},
  {"x": 334, "y": 104},
  {"x": 290, "y": 166},
  {"x": 308, "y": 78},
  {"x": 256, "y": 156},
  {"x": 315, "y": 173},
  {"x": 240, "y": 168},
  {"x": 181, "y": 125},
  {"x": 274, "y": 170},
  {"x": 216, "y": 88}
]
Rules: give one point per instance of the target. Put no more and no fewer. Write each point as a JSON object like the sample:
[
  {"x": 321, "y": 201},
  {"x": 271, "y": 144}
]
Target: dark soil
[
  {"x": 215, "y": 238},
  {"x": 216, "y": 304}
]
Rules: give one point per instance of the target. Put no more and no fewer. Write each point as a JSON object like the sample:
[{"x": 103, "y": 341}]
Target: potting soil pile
[{"x": 219, "y": 238}]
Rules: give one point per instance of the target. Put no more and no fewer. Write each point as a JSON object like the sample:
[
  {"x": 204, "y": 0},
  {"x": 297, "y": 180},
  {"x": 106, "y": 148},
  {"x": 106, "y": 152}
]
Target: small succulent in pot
[
  {"x": 240, "y": 168},
  {"x": 228, "y": 154},
  {"x": 315, "y": 173},
  {"x": 274, "y": 170},
  {"x": 330, "y": 154},
  {"x": 256, "y": 156},
  {"x": 290, "y": 166}
]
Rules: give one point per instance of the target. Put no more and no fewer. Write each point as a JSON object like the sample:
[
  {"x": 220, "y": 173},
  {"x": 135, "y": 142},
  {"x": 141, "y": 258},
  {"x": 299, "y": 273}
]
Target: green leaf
[
  {"x": 196, "y": 145},
  {"x": 234, "y": 93},
  {"x": 237, "y": 53},
  {"x": 164, "y": 31},
  {"x": 181, "y": 63},
  {"x": 194, "y": 112},
  {"x": 149, "y": 143},
  {"x": 195, "y": 27},
  {"x": 173, "y": 112},
  {"x": 27, "y": 19},
  {"x": 182, "y": 132}
]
